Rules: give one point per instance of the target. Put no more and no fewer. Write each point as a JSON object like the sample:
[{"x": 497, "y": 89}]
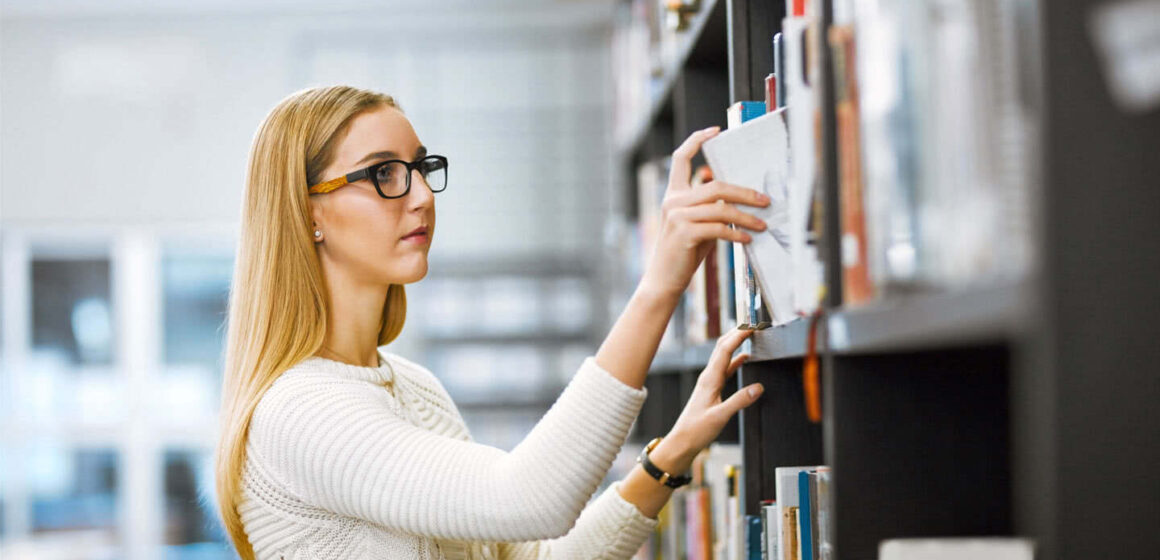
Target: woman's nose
[{"x": 420, "y": 190}]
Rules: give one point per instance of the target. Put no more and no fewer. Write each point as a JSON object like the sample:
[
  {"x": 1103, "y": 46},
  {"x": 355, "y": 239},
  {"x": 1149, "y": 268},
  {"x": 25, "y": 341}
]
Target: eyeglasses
[{"x": 392, "y": 178}]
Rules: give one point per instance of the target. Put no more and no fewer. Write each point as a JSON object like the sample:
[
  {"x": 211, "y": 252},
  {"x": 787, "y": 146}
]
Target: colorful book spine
[
  {"x": 856, "y": 284},
  {"x": 805, "y": 516},
  {"x": 753, "y": 537}
]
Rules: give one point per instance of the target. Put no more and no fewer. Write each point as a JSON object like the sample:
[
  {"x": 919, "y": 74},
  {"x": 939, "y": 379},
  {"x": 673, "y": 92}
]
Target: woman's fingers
[
  {"x": 737, "y": 362},
  {"x": 720, "y": 360},
  {"x": 719, "y": 212},
  {"x": 681, "y": 168},
  {"x": 700, "y": 232},
  {"x": 739, "y": 400},
  {"x": 714, "y": 191}
]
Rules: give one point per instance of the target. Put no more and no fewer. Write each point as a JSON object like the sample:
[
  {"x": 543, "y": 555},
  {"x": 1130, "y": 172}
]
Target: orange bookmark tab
[{"x": 811, "y": 383}]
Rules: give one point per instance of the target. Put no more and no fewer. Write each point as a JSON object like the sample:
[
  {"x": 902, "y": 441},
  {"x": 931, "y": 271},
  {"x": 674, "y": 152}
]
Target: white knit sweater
[{"x": 348, "y": 461}]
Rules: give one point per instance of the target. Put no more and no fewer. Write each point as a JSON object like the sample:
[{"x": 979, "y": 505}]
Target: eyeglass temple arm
[{"x": 325, "y": 187}]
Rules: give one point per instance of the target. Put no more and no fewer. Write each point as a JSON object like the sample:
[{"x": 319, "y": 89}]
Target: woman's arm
[
  {"x": 336, "y": 444},
  {"x": 703, "y": 418},
  {"x": 609, "y": 528}
]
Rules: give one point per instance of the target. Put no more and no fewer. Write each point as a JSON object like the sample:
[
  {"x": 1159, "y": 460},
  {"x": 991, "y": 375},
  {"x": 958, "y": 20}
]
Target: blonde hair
[{"x": 278, "y": 300}]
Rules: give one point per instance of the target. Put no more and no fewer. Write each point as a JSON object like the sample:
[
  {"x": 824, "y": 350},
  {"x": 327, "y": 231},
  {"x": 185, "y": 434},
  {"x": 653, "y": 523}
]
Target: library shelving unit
[{"x": 1029, "y": 408}]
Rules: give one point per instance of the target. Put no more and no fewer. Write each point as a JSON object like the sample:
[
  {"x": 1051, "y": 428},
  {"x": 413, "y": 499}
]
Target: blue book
[
  {"x": 753, "y": 537},
  {"x": 806, "y": 546}
]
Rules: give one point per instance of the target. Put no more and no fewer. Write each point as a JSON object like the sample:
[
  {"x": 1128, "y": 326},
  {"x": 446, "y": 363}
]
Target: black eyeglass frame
[{"x": 369, "y": 172}]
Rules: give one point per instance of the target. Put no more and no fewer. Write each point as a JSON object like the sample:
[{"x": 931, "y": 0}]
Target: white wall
[{"x": 121, "y": 119}]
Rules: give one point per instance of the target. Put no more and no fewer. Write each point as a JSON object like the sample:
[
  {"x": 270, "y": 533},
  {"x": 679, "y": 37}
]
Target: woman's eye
[{"x": 383, "y": 173}]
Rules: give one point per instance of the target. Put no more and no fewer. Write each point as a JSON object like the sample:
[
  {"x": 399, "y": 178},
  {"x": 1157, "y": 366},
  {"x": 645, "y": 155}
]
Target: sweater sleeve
[
  {"x": 610, "y": 528},
  {"x": 338, "y": 445}
]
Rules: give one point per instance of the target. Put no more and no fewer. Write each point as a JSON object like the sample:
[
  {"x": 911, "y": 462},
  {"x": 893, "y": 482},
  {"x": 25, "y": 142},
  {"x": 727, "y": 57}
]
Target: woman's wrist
[
  {"x": 672, "y": 455},
  {"x": 655, "y": 292}
]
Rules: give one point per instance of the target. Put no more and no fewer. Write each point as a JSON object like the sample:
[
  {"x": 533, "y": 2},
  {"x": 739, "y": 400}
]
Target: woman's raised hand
[{"x": 693, "y": 219}]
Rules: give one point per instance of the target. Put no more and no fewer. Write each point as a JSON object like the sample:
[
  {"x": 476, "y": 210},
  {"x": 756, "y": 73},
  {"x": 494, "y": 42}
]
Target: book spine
[
  {"x": 797, "y": 513},
  {"x": 727, "y": 286},
  {"x": 769, "y": 521},
  {"x": 856, "y": 285},
  {"x": 815, "y": 532},
  {"x": 757, "y": 315},
  {"x": 712, "y": 295},
  {"x": 753, "y": 541},
  {"x": 805, "y": 516}
]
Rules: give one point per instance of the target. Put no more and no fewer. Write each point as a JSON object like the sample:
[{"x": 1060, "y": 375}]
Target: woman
[{"x": 334, "y": 448}]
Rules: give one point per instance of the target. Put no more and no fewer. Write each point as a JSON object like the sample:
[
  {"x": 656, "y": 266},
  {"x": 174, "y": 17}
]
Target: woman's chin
[{"x": 415, "y": 273}]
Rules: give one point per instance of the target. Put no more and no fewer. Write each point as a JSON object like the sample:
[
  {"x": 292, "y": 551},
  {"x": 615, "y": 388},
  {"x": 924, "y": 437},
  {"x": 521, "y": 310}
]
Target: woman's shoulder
[
  {"x": 315, "y": 385},
  {"x": 416, "y": 373}
]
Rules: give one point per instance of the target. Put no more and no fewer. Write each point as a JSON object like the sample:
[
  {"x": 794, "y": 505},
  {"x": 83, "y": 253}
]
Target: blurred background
[{"x": 126, "y": 127}]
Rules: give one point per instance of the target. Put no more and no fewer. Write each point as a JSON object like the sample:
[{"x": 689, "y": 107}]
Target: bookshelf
[{"x": 1022, "y": 407}]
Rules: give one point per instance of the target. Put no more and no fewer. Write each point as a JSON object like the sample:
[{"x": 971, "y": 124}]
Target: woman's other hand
[
  {"x": 705, "y": 414},
  {"x": 693, "y": 219}
]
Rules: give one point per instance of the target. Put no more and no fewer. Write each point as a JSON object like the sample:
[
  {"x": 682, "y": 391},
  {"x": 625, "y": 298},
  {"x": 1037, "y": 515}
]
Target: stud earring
[{"x": 317, "y": 233}]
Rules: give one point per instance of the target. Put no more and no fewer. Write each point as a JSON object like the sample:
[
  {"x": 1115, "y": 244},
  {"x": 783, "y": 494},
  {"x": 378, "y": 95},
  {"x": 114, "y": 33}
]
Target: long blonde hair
[{"x": 278, "y": 300}]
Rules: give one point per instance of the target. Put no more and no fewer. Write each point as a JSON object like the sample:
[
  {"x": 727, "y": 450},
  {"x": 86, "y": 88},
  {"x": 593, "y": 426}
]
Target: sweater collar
[{"x": 383, "y": 373}]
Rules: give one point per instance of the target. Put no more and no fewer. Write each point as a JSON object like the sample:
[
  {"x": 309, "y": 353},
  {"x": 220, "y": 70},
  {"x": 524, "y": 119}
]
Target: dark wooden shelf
[
  {"x": 698, "y": 42},
  {"x": 783, "y": 342},
  {"x": 997, "y": 313}
]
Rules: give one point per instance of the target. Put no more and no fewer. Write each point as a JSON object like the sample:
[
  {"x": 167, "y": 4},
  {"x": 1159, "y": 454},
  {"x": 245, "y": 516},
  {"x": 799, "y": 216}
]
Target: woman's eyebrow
[{"x": 389, "y": 154}]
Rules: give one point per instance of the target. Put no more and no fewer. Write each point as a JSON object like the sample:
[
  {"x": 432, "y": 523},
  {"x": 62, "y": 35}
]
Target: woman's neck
[{"x": 354, "y": 317}]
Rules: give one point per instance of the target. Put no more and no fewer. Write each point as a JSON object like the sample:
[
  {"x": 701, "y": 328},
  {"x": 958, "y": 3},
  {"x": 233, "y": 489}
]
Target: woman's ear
[{"x": 317, "y": 231}]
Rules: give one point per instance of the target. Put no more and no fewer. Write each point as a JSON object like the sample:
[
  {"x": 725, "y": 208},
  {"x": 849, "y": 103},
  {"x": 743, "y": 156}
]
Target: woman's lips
[{"x": 418, "y": 237}]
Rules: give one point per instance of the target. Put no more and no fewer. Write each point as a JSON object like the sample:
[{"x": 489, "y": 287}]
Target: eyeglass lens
[{"x": 393, "y": 177}]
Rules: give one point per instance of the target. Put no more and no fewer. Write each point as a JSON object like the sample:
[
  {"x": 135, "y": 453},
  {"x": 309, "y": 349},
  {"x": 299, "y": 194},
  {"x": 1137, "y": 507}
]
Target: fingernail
[
  {"x": 754, "y": 391},
  {"x": 764, "y": 225},
  {"x": 712, "y": 128}
]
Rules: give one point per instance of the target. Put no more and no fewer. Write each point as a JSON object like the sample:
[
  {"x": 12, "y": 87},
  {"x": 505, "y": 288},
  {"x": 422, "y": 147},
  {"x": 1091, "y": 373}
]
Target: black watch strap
[{"x": 655, "y": 472}]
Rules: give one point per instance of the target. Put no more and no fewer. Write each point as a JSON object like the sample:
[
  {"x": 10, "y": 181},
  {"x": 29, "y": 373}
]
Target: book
[
  {"x": 755, "y": 155},
  {"x": 788, "y": 534},
  {"x": 769, "y": 522},
  {"x": 805, "y": 516},
  {"x": 957, "y": 548},
  {"x": 856, "y": 285},
  {"x": 751, "y": 310},
  {"x": 788, "y": 495},
  {"x": 727, "y": 286},
  {"x": 753, "y": 537},
  {"x": 947, "y": 142},
  {"x": 825, "y": 544},
  {"x": 718, "y": 456},
  {"x": 804, "y": 202},
  {"x": 698, "y": 535}
]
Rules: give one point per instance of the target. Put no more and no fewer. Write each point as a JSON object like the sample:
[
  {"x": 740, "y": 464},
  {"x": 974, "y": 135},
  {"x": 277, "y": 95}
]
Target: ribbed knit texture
[{"x": 347, "y": 461}]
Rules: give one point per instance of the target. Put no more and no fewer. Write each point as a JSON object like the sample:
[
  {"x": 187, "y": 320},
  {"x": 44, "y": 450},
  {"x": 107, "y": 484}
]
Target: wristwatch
[{"x": 661, "y": 476}]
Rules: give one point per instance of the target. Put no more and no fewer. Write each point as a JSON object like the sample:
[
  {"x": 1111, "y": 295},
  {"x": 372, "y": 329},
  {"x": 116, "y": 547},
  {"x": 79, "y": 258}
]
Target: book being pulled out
[{"x": 755, "y": 155}]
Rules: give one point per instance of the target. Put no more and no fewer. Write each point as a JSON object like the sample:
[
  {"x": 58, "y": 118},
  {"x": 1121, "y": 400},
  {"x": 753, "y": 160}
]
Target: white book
[
  {"x": 800, "y": 105},
  {"x": 755, "y": 155},
  {"x": 720, "y": 455},
  {"x": 957, "y": 548},
  {"x": 770, "y": 521}
]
